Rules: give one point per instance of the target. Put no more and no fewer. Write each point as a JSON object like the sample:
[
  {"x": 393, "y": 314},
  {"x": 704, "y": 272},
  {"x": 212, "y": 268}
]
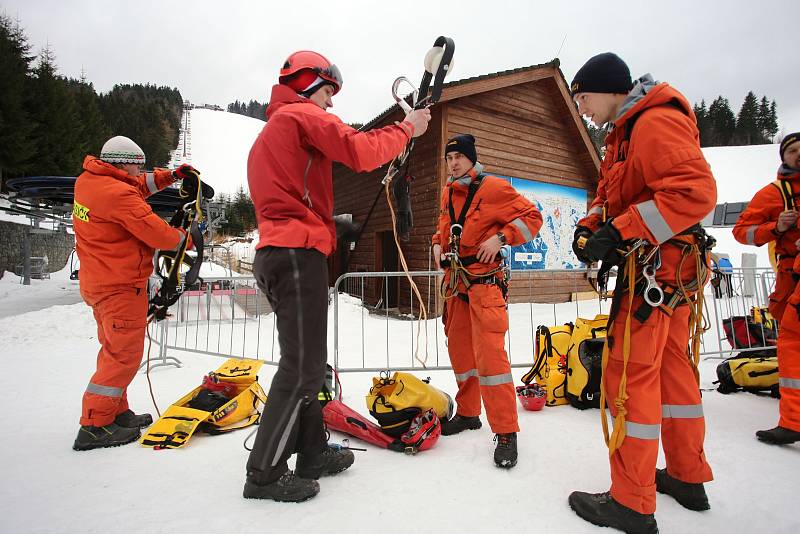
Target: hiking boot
[
  {"x": 334, "y": 459},
  {"x": 602, "y": 510},
  {"x": 778, "y": 436},
  {"x": 288, "y": 488},
  {"x": 128, "y": 419},
  {"x": 96, "y": 437},
  {"x": 459, "y": 423},
  {"x": 689, "y": 495},
  {"x": 505, "y": 453}
]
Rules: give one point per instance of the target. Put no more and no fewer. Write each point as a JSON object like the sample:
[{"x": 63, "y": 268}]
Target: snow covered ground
[{"x": 47, "y": 487}]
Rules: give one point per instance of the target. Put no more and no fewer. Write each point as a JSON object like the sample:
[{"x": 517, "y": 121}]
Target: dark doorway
[{"x": 387, "y": 261}]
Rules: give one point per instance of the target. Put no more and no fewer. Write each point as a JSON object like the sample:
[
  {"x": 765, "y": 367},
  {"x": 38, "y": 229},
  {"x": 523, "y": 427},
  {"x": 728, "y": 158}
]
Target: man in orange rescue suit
[
  {"x": 654, "y": 186},
  {"x": 479, "y": 214},
  {"x": 116, "y": 233},
  {"x": 289, "y": 172},
  {"x": 768, "y": 219}
]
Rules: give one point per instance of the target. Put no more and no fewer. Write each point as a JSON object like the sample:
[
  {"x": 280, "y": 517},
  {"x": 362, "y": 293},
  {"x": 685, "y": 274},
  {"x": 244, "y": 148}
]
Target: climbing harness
[{"x": 190, "y": 218}]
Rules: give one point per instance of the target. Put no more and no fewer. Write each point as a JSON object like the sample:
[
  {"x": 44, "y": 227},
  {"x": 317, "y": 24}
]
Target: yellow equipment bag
[
  {"x": 228, "y": 400},
  {"x": 751, "y": 372},
  {"x": 394, "y": 401},
  {"x": 585, "y": 362},
  {"x": 762, "y": 315},
  {"x": 550, "y": 366}
]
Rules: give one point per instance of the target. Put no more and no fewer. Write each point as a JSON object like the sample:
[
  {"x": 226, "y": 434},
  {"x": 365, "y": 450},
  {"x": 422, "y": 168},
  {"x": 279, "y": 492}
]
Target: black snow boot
[
  {"x": 334, "y": 459},
  {"x": 778, "y": 436},
  {"x": 129, "y": 419},
  {"x": 459, "y": 423},
  {"x": 602, "y": 510},
  {"x": 288, "y": 488},
  {"x": 505, "y": 453},
  {"x": 689, "y": 495},
  {"x": 96, "y": 437}
]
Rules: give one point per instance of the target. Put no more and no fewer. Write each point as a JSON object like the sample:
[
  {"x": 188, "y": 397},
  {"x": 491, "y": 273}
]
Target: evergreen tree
[
  {"x": 747, "y": 131},
  {"x": 93, "y": 130},
  {"x": 722, "y": 122},
  {"x": 703, "y": 123},
  {"x": 55, "y": 120},
  {"x": 16, "y": 145}
]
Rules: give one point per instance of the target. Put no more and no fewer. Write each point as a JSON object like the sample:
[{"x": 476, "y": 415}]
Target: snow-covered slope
[
  {"x": 740, "y": 172},
  {"x": 220, "y": 143}
]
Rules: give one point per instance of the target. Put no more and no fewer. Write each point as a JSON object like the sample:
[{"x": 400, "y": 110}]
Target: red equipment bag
[
  {"x": 743, "y": 332},
  {"x": 338, "y": 416}
]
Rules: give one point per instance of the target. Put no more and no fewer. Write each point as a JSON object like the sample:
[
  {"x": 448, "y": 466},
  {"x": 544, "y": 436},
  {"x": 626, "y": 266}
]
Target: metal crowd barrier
[{"x": 375, "y": 325}]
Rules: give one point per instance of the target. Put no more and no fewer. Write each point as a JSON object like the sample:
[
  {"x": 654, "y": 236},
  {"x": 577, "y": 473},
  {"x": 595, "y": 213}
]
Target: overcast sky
[{"x": 217, "y": 52}]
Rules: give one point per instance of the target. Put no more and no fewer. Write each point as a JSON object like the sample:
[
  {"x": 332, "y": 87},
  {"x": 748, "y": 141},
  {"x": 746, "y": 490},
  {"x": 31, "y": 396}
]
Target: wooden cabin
[{"x": 526, "y": 127}]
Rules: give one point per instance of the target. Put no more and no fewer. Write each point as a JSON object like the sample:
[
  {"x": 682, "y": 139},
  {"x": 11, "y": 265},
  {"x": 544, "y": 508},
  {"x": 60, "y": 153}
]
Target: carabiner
[
  {"x": 653, "y": 294},
  {"x": 402, "y": 101}
]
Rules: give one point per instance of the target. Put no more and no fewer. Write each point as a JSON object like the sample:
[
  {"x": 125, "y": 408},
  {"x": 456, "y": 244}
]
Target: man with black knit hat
[
  {"x": 479, "y": 214},
  {"x": 654, "y": 189},
  {"x": 772, "y": 217}
]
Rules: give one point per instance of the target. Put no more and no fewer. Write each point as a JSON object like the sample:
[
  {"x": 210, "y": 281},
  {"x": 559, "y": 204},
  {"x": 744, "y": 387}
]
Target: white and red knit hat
[{"x": 120, "y": 149}]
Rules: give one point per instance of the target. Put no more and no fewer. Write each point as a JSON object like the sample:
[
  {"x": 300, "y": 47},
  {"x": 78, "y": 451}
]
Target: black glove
[
  {"x": 346, "y": 229},
  {"x": 581, "y": 232},
  {"x": 401, "y": 189},
  {"x": 190, "y": 177},
  {"x": 603, "y": 244}
]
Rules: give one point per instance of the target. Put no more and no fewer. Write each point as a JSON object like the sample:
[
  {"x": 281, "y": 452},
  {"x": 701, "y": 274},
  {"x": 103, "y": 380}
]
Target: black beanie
[
  {"x": 462, "y": 143},
  {"x": 604, "y": 73},
  {"x": 790, "y": 139}
]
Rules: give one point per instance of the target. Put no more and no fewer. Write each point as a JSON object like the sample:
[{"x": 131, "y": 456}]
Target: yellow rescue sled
[{"x": 228, "y": 399}]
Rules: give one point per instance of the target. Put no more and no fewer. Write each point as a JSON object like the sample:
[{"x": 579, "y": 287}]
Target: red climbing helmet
[
  {"x": 423, "y": 433},
  {"x": 302, "y": 68}
]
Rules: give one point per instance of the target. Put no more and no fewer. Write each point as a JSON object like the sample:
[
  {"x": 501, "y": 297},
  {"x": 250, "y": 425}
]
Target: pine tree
[
  {"x": 703, "y": 123},
  {"x": 771, "y": 123},
  {"x": 747, "y": 130},
  {"x": 17, "y": 148},
  {"x": 722, "y": 122},
  {"x": 93, "y": 130}
]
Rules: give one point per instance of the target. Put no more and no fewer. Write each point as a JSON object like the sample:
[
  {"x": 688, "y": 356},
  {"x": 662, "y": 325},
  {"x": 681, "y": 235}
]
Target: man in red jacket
[
  {"x": 289, "y": 172},
  {"x": 116, "y": 233},
  {"x": 768, "y": 219},
  {"x": 479, "y": 214},
  {"x": 655, "y": 187}
]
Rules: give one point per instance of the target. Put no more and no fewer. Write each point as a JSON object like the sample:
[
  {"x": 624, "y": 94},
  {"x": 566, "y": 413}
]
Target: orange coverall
[
  {"x": 116, "y": 233},
  {"x": 757, "y": 226},
  {"x": 789, "y": 360},
  {"x": 654, "y": 185},
  {"x": 476, "y": 328}
]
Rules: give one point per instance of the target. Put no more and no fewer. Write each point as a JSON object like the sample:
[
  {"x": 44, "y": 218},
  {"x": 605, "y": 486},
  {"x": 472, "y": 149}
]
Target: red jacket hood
[{"x": 99, "y": 167}]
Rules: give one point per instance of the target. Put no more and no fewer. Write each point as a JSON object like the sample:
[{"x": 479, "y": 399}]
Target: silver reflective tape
[
  {"x": 286, "y": 432},
  {"x": 789, "y": 383},
  {"x": 462, "y": 377},
  {"x": 151, "y": 183},
  {"x": 496, "y": 380},
  {"x": 655, "y": 221},
  {"x": 106, "y": 391},
  {"x": 597, "y": 210},
  {"x": 751, "y": 234},
  {"x": 638, "y": 430},
  {"x": 523, "y": 228},
  {"x": 682, "y": 411}
]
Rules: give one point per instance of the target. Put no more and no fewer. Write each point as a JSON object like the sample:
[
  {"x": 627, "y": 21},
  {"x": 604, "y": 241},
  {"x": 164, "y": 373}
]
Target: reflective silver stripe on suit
[
  {"x": 751, "y": 234},
  {"x": 597, "y": 210},
  {"x": 682, "y": 411},
  {"x": 301, "y": 349},
  {"x": 789, "y": 383},
  {"x": 523, "y": 228},
  {"x": 496, "y": 380},
  {"x": 638, "y": 430},
  {"x": 655, "y": 221},
  {"x": 151, "y": 183},
  {"x": 462, "y": 377},
  {"x": 106, "y": 391}
]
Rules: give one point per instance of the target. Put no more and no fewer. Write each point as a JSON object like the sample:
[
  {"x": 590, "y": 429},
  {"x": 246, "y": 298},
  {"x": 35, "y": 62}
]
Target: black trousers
[{"x": 295, "y": 282}]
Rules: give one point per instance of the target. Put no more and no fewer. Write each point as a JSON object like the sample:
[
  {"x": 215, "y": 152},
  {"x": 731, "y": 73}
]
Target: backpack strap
[
  {"x": 473, "y": 188},
  {"x": 786, "y": 194}
]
